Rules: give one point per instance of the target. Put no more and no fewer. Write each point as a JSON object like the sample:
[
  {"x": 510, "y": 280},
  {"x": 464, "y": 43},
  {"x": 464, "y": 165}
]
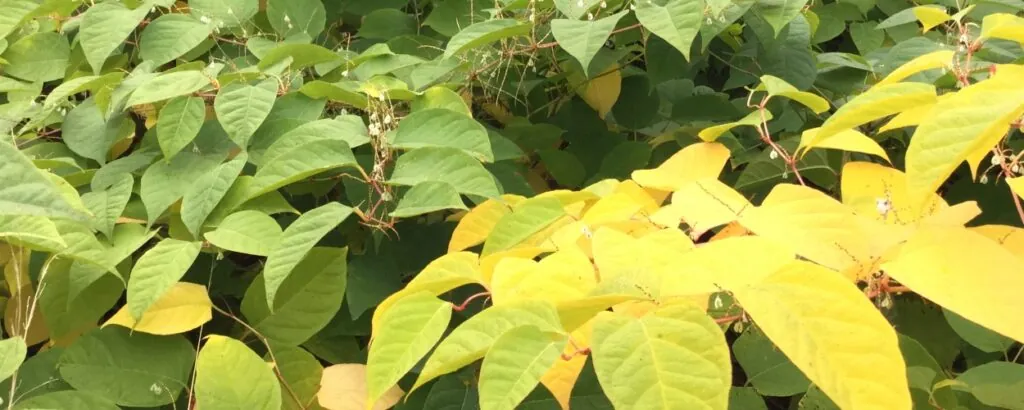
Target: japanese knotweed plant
[{"x": 634, "y": 273}]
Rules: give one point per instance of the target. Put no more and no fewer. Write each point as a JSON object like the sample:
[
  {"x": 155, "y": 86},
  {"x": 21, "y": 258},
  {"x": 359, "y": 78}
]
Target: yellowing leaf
[
  {"x": 474, "y": 227},
  {"x": 936, "y": 59},
  {"x": 695, "y": 161},
  {"x": 672, "y": 358},
  {"x": 930, "y": 16},
  {"x": 1002, "y": 25},
  {"x": 1010, "y": 237},
  {"x": 185, "y": 306},
  {"x": 490, "y": 262},
  {"x": 966, "y": 273},
  {"x": 602, "y": 91},
  {"x": 777, "y": 86},
  {"x": 848, "y": 140},
  {"x": 408, "y": 330},
  {"x": 563, "y": 275},
  {"x": 649, "y": 199},
  {"x": 832, "y": 333},
  {"x": 1016, "y": 185},
  {"x": 561, "y": 377},
  {"x": 514, "y": 365},
  {"x": 527, "y": 219},
  {"x": 875, "y": 103},
  {"x": 971, "y": 121},
  {"x": 956, "y": 215},
  {"x": 754, "y": 119},
  {"x": 708, "y": 203},
  {"x": 642, "y": 264},
  {"x": 879, "y": 192},
  {"x": 714, "y": 267},
  {"x": 441, "y": 275},
  {"x": 911, "y": 117},
  {"x": 617, "y": 207},
  {"x": 343, "y": 387}
]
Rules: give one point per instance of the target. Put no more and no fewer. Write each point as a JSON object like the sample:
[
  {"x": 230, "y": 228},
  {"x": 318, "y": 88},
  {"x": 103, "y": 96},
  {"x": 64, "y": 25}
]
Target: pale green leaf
[
  {"x": 65, "y": 316},
  {"x": 80, "y": 84},
  {"x": 306, "y": 300},
  {"x": 752, "y": 119},
  {"x": 105, "y": 27},
  {"x": 12, "y": 354},
  {"x": 249, "y": 232},
  {"x": 526, "y": 219},
  {"x": 485, "y": 32},
  {"x": 766, "y": 368},
  {"x": 13, "y": 13},
  {"x": 998, "y": 384},
  {"x": 301, "y": 153},
  {"x": 130, "y": 369},
  {"x": 231, "y": 376},
  {"x": 164, "y": 183},
  {"x": 37, "y": 57},
  {"x": 427, "y": 197},
  {"x": 301, "y": 372},
  {"x": 88, "y": 134},
  {"x": 440, "y": 97},
  {"x": 297, "y": 239},
  {"x": 179, "y": 122},
  {"x": 514, "y": 365},
  {"x": 170, "y": 36},
  {"x": 204, "y": 195},
  {"x": 167, "y": 86},
  {"x": 473, "y": 338},
  {"x": 408, "y": 330},
  {"x": 66, "y": 400},
  {"x": 775, "y": 86},
  {"x": 157, "y": 271},
  {"x": 108, "y": 204},
  {"x": 874, "y": 104},
  {"x": 344, "y": 91},
  {"x": 232, "y": 13},
  {"x": 31, "y": 231},
  {"x": 28, "y": 191},
  {"x": 438, "y": 127},
  {"x": 242, "y": 108},
  {"x": 302, "y": 55},
  {"x": 675, "y": 21},
  {"x": 583, "y": 39},
  {"x": 290, "y": 17},
  {"x": 444, "y": 164},
  {"x": 674, "y": 357},
  {"x": 778, "y": 13}
]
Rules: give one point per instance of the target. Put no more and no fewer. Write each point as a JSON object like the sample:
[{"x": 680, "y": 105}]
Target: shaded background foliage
[{"x": 145, "y": 113}]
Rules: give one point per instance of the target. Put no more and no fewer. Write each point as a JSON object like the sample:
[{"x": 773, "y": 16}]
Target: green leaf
[
  {"x": 764, "y": 169},
  {"x": 301, "y": 372},
  {"x": 485, "y": 33},
  {"x": 28, "y": 191},
  {"x": 564, "y": 167},
  {"x": 427, "y": 197},
  {"x": 514, "y": 365},
  {"x": 38, "y": 376},
  {"x": 65, "y": 315},
  {"x": 249, "y": 232},
  {"x": 179, "y": 123},
  {"x": 583, "y": 39},
  {"x": 290, "y": 17},
  {"x": 88, "y": 134},
  {"x": 105, "y": 27},
  {"x": 230, "y": 376},
  {"x": 80, "y": 84},
  {"x": 866, "y": 37},
  {"x": 13, "y": 13},
  {"x": 473, "y": 338},
  {"x": 344, "y": 91},
  {"x": 526, "y": 219},
  {"x": 778, "y": 13},
  {"x": 978, "y": 336},
  {"x": 746, "y": 398},
  {"x": 775, "y": 86},
  {"x": 302, "y": 55},
  {"x": 438, "y": 127},
  {"x": 167, "y": 86},
  {"x": 34, "y": 232},
  {"x": 444, "y": 164},
  {"x": 306, "y": 301},
  {"x": 164, "y": 183},
  {"x": 408, "y": 330},
  {"x": 296, "y": 241},
  {"x": 232, "y": 13},
  {"x": 157, "y": 271},
  {"x": 66, "y": 400},
  {"x": 386, "y": 24},
  {"x": 12, "y": 354},
  {"x": 136, "y": 370},
  {"x": 110, "y": 172},
  {"x": 236, "y": 200},
  {"x": 998, "y": 384},
  {"x": 449, "y": 16},
  {"x": 790, "y": 58},
  {"x": 202, "y": 198},
  {"x": 440, "y": 97},
  {"x": 452, "y": 393},
  {"x": 675, "y": 21},
  {"x": 683, "y": 342},
  {"x": 242, "y": 108},
  {"x": 293, "y": 159},
  {"x": 766, "y": 368},
  {"x": 37, "y": 57},
  {"x": 170, "y": 36},
  {"x": 107, "y": 205}
]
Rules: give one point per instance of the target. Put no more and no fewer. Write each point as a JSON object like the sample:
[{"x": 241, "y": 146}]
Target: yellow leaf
[
  {"x": 956, "y": 215},
  {"x": 708, "y": 203},
  {"x": 777, "y": 86},
  {"x": 966, "y": 273},
  {"x": 875, "y": 103},
  {"x": 617, "y": 207},
  {"x": 972, "y": 120},
  {"x": 602, "y": 91},
  {"x": 714, "y": 266},
  {"x": 575, "y": 235},
  {"x": 754, "y": 119},
  {"x": 184, "y": 307},
  {"x": 1016, "y": 185},
  {"x": 879, "y": 192},
  {"x": 343, "y": 387},
  {"x": 1010, "y": 237},
  {"x": 1004, "y": 26},
  {"x": 627, "y": 260},
  {"x": 649, "y": 199},
  {"x": 732, "y": 230},
  {"x": 935, "y": 59},
  {"x": 911, "y": 117},
  {"x": 848, "y": 140},
  {"x": 930, "y": 16},
  {"x": 489, "y": 263},
  {"x": 693, "y": 162},
  {"x": 671, "y": 238},
  {"x": 561, "y": 276},
  {"x": 561, "y": 377},
  {"x": 474, "y": 227},
  {"x": 832, "y": 333},
  {"x": 440, "y": 275}
]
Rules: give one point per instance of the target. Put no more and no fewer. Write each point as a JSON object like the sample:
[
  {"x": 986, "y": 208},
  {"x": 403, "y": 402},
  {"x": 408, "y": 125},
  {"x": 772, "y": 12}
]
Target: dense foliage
[{"x": 498, "y": 204}]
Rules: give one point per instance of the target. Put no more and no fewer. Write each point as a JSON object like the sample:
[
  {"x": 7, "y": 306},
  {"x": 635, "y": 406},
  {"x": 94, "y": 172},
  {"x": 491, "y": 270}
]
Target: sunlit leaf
[
  {"x": 230, "y": 375},
  {"x": 297, "y": 239},
  {"x": 184, "y": 307},
  {"x": 343, "y": 387}
]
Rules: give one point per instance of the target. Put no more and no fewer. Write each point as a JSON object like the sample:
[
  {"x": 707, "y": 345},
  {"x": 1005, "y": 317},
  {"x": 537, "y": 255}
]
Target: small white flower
[
  {"x": 773, "y": 155},
  {"x": 604, "y": 4},
  {"x": 882, "y": 205},
  {"x": 632, "y": 7},
  {"x": 997, "y": 159},
  {"x": 1015, "y": 169},
  {"x": 152, "y": 9},
  {"x": 380, "y": 96},
  {"x": 532, "y": 17},
  {"x": 374, "y": 129},
  {"x": 287, "y": 19},
  {"x": 708, "y": 21},
  {"x": 231, "y": 12},
  {"x": 373, "y": 116},
  {"x": 585, "y": 230},
  {"x": 204, "y": 19},
  {"x": 718, "y": 302},
  {"x": 387, "y": 119},
  {"x": 983, "y": 179},
  {"x": 344, "y": 73},
  {"x": 590, "y": 16},
  {"x": 155, "y": 389},
  {"x": 579, "y": 3},
  {"x": 529, "y": 63}
]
